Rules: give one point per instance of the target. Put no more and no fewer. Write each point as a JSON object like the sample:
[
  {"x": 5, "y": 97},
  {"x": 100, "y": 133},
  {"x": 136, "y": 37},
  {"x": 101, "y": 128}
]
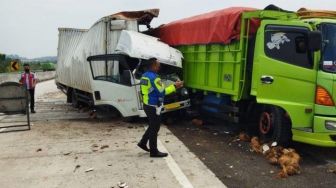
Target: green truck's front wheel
[{"x": 274, "y": 125}]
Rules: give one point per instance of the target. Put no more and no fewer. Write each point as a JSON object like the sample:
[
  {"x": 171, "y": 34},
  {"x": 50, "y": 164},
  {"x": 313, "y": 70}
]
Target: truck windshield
[{"x": 329, "y": 47}]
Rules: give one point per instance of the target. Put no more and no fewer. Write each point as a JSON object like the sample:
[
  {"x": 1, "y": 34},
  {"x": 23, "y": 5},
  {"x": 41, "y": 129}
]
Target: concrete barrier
[{"x": 14, "y": 77}]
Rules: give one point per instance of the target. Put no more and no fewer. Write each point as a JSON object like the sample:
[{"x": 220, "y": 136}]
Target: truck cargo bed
[{"x": 213, "y": 67}]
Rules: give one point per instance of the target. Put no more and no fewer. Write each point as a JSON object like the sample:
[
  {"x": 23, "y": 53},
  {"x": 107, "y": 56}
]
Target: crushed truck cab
[
  {"x": 116, "y": 77},
  {"x": 101, "y": 66}
]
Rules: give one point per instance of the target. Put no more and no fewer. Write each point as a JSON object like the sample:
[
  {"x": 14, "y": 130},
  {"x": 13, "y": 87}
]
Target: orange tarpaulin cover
[{"x": 221, "y": 26}]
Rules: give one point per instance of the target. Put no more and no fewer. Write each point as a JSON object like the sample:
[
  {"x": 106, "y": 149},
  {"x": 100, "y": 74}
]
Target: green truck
[{"x": 280, "y": 78}]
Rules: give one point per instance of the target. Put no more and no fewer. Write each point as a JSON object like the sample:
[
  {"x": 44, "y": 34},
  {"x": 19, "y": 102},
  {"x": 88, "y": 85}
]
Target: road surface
[{"x": 66, "y": 148}]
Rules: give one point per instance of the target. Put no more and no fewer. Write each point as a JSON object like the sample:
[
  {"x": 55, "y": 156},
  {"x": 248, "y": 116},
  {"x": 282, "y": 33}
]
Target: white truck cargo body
[
  {"x": 75, "y": 45},
  {"x": 102, "y": 66}
]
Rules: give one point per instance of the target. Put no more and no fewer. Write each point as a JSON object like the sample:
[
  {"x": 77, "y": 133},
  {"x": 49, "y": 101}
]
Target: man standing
[
  {"x": 29, "y": 80},
  {"x": 153, "y": 92}
]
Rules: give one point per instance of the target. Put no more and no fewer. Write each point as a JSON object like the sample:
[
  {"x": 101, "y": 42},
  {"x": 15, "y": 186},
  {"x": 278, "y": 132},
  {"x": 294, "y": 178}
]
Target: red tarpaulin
[{"x": 220, "y": 26}]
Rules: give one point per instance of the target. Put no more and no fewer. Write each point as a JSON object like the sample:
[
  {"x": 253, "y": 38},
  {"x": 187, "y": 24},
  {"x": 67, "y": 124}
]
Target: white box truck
[{"x": 102, "y": 66}]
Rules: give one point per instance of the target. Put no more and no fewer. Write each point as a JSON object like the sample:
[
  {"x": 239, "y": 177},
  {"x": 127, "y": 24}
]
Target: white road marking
[
  {"x": 173, "y": 166},
  {"x": 175, "y": 169}
]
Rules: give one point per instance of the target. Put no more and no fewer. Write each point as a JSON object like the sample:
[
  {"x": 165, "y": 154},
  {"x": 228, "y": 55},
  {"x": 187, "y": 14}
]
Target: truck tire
[
  {"x": 274, "y": 125},
  {"x": 74, "y": 100}
]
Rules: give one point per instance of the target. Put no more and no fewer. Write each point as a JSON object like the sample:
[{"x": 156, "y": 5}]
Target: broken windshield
[{"x": 329, "y": 47}]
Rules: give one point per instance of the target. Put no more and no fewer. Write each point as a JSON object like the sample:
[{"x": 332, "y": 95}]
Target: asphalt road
[{"x": 236, "y": 166}]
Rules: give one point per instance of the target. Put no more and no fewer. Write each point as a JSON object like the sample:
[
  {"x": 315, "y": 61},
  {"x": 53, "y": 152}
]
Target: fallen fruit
[
  {"x": 244, "y": 137},
  {"x": 197, "y": 122},
  {"x": 255, "y": 145}
]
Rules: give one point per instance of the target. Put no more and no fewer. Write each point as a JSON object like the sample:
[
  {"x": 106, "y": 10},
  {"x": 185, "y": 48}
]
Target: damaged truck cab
[
  {"x": 101, "y": 66},
  {"x": 116, "y": 77}
]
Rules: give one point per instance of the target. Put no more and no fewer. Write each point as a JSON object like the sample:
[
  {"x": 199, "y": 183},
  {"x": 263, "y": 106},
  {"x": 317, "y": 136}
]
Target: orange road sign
[{"x": 14, "y": 65}]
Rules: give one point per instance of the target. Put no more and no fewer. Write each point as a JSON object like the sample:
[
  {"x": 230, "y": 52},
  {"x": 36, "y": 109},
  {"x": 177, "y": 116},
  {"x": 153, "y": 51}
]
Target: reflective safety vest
[
  {"x": 27, "y": 79},
  {"x": 153, "y": 90}
]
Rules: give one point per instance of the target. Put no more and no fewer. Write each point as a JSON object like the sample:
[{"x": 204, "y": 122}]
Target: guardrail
[{"x": 15, "y": 77}]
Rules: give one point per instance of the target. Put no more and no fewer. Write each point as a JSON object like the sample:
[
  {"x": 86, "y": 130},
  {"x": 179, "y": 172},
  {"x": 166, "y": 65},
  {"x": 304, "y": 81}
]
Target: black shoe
[
  {"x": 143, "y": 146},
  {"x": 158, "y": 154},
  {"x": 33, "y": 111}
]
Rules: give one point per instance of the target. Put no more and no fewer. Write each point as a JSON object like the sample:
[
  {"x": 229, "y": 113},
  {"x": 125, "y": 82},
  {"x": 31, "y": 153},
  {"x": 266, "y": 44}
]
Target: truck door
[
  {"x": 284, "y": 73},
  {"x": 112, "y": 84}
]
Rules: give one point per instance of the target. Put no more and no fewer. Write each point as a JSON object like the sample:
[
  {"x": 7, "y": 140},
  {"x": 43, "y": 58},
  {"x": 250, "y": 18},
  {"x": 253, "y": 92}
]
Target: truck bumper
[
  {"x": 320, "y": 135},
  {"x": 176, "y": 106},
  {"x": 170, "y": 107}
]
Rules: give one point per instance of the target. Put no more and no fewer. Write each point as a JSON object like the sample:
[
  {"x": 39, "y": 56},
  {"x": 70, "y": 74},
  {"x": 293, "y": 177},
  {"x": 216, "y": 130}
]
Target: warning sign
[{"x": 14, "y": 65}]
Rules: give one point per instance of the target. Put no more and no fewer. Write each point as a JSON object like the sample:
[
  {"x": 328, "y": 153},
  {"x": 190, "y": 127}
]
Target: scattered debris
[
  {"x": 332, "y": 169},
  {"x": 244, "y": 137},
  {"x": 198, "y": 144},
  {"x": 215, "y": 134},
  {"x": 122, "y": 185},
  {"x": 38, "y": 150},
  {"x": 67, "y": 153},
  {"x": 167, "y": 141},
  {"x": 231, "y": 166},
  {"x": 228, "y": 176},
  {"x": 89, "y": 169},
  {"x": 104, "y": 146},
  {"x": 265, "y": 148},
  {"x": 274, "y": 144},
  {"x": 197, "y": 122},
  {"x": 76, "y": 167},
  {"x": 109, "y": 165},
  {"x": 94, "y": 145}
]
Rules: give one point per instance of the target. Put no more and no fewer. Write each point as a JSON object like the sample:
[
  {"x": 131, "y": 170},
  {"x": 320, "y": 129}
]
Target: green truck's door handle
[{"x": 266, "y": 79}]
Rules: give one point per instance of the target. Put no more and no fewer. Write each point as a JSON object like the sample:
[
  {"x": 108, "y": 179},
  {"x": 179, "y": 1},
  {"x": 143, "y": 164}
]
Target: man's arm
[
  {"x": 163, "y": 90},
  {"x": 21, "y": 79},
  {"x": 34, "y": 80}
]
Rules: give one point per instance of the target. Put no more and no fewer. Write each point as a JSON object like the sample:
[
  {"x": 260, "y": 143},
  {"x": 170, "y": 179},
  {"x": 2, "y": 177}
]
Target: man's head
[
  {"x": 26, "y": 67},
  {"x": 154, "y": 64}
]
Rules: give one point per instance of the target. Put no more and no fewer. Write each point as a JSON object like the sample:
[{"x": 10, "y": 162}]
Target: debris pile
[
  {"x": 289, "y": 162},
  {"x": 287, "y": 158}
]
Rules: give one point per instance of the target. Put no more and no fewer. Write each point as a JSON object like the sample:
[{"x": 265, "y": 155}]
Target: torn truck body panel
[
  {"x": 141, "y": 46},
  {"x": 143, "y": 17}
]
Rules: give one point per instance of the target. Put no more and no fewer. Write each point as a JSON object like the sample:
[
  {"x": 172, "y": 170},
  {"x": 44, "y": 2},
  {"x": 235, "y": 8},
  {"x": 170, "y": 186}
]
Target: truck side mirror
[{"x": 314, "y": 40}]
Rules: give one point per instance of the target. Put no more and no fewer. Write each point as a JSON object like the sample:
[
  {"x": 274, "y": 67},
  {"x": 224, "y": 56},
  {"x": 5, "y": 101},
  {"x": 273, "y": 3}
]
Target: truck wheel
[
  {"x": 274, "y": 125},
  {"x": 74, "y": 100}
]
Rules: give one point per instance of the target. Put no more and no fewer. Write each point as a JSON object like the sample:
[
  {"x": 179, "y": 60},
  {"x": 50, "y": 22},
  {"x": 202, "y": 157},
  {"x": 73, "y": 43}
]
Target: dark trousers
[
  {"x": 32, "y": 98},
  {"x": 151, "y": 134}
]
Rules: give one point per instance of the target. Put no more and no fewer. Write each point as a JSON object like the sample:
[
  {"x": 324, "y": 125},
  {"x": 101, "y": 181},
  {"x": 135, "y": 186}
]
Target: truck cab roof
[{"x": 138, "y": 45}]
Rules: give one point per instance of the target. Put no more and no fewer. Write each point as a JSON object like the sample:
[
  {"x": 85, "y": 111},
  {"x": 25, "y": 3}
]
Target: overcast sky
[{"x": 29, "y": 27}]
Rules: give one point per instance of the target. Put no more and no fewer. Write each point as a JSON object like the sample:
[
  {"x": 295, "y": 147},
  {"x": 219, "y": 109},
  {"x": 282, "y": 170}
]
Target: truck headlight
[
  {"x": 184, "y": 92},
  {"x": 330, "y": 125}
]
